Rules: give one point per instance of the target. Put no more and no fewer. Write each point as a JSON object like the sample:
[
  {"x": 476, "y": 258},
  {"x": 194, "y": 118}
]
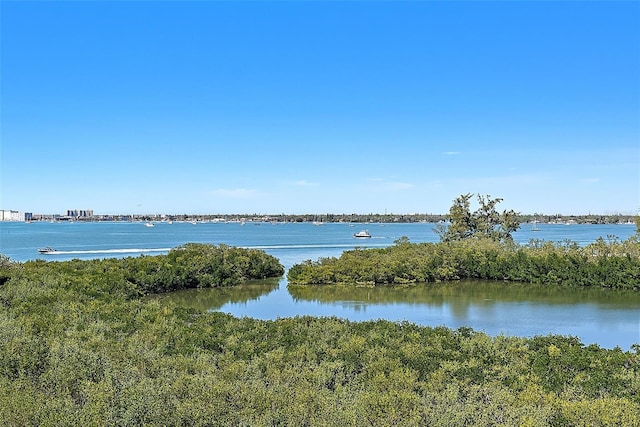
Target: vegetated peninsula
[{"x": 478, "y": 245}]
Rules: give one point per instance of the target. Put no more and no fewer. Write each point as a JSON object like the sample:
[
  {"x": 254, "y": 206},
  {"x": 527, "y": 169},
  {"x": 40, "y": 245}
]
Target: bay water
[{"x": 608, "y": 318}]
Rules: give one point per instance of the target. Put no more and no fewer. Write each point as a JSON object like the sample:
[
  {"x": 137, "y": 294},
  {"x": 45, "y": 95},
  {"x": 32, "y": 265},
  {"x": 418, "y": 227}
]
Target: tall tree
[{"x": 485, "y": 222}]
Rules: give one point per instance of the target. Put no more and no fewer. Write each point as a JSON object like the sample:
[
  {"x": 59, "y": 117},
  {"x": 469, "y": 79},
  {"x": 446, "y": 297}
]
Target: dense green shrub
[
  {"x": 611, "y": 264},
  {"x": 200, "y": 266},
  {"x": 79, "y": 348},
  {"x": 189, "y": 266}
]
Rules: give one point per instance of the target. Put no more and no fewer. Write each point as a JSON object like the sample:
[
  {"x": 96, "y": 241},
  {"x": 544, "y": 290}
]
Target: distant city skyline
[
  {"x": 319, "y": 107},
  {"x": 89, "y": 215}
]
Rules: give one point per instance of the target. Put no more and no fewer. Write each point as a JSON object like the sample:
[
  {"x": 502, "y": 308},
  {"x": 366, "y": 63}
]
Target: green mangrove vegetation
[
  {"x": 81, "y": 345},
  {"x": 479, "y": 245},
  {"x": 604, "y": 263},
  {"x": 193, "y": 265},
  {"x": 81, "y": 349}
]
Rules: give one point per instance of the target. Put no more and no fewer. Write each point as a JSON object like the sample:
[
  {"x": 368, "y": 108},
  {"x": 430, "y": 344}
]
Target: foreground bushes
[
  {"x": 79, "y": 349},
  {"x": 610, "y": 264},
  {"x": 134, "y": 363}
]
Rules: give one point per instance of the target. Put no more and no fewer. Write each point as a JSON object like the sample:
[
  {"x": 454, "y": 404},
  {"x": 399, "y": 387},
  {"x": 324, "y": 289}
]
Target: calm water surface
[{"x": 607, "y": 318}]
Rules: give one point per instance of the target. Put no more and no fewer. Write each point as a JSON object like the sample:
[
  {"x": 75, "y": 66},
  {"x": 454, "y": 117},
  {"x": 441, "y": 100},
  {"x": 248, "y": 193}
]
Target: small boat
[
  {"x": 47, "y": 250},
  {"x": 149, "y": 224},
  {"x": 364, "y": 234}
]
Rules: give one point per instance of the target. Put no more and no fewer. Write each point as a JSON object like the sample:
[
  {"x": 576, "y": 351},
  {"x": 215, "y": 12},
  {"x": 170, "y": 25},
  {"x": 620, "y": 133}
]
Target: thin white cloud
[
  {"x": 383, "y": 185},
  {"x": 397, "y": 186},
  {"x": 506, "y": 180},
  {"x": 235, "y": 193},
  {"x": 305, "y": 183},
  {"x": 589, "y": 180},
  {"x": 451, "y": 153}
]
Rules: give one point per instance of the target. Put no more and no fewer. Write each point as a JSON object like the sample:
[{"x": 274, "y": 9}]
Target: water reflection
[
  {"x": 607, "y": 317},
  {"x": 214, "y": 298},
  {"x": 462, "y": 294}
]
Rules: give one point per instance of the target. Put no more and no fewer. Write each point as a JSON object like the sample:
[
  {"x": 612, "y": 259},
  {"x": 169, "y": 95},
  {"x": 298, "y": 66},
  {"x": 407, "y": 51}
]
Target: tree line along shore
[
  {"x": 607, "y": 264},
  {"x": 338, "y": 218}
]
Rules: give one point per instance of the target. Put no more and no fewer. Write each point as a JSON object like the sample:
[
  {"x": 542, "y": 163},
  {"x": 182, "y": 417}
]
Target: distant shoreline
[{"x": 329, "y": 218}]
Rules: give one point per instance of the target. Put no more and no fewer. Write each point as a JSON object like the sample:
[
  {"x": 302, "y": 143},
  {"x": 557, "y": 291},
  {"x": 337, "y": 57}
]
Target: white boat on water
[
  {"x": 47, "y": 250},
  {"x": 363, "y": 234},
  {"x": 149, "y": 224}
]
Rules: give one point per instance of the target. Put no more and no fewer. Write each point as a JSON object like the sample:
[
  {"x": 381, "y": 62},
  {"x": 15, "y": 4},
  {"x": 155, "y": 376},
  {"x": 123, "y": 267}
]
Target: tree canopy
[{"x": 485, "y": 221}]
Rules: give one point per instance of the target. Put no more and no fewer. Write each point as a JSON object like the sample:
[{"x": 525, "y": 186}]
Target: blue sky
[{"x": 318, "y": 107}]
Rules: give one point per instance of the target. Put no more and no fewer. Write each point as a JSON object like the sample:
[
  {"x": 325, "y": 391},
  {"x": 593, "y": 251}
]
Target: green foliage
[
  {"x": 6, "y": 267},
  {"x": 198, "y": 266},
  {"x": 79, "y": 348},
  {"x": 485, "y": 222},
  {"x": 609, "y": 264}
]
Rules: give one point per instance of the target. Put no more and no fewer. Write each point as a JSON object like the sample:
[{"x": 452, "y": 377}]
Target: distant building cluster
[
  {"x": 11, "y": 215},
  {"x": 6, "y": 215},
  {"x": 75, "y": 213}
]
